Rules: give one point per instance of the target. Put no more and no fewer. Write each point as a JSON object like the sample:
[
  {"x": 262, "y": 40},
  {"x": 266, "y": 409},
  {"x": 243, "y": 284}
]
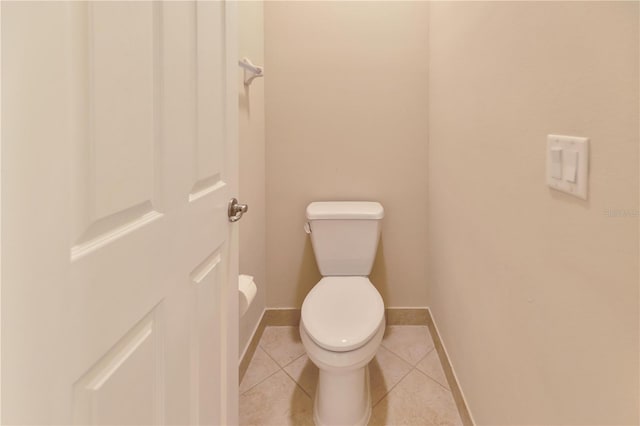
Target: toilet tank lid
[{"x": 370, "y": 210}]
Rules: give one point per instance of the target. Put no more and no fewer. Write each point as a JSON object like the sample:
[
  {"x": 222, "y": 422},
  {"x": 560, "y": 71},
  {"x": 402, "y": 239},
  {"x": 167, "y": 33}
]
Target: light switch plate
[{"x": 569, "y": 145}]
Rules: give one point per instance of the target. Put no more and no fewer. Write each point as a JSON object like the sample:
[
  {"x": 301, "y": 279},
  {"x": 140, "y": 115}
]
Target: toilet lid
[{"x": 342, "y": 313}]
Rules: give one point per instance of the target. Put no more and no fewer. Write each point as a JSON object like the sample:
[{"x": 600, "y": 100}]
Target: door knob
[{"x": 236, "y": 210}]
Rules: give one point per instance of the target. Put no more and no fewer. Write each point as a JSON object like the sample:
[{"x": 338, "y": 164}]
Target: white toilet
[{"x": 342, "y": 320}]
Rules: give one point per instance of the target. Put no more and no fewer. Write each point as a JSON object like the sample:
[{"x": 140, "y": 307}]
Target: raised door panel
[
  {"x": 206, "y": 368},
  {"x": 118, "y": 117},
  {"x": 208, "y": 173},
  {"x": 123, "y": 111},
  {"x": 125, "y": 386}
]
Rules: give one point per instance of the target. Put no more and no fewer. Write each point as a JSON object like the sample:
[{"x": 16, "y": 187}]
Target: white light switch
[
  {"x": 556, "y": 162},
  {"x": 568, "y": 164}
]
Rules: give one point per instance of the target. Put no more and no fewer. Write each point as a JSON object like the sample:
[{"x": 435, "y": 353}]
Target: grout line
[
  {"x": 294, "y": 360},
  {"x": 435, "y": 381},
  {"x": 274, "y": 360},
  {"x": 439, "y": 363},
  {"x": 288, "y": 363},
  {"x": 304, "y": 391},
  {"x": 394, "y": 386},
  {"x": 413, "y": 367},
  {"x": 404, "y": 377},
  {"x": 398, "y": 382},
  {"x": 425, "y": 355},
  {"x": 300, "y": 387},
  {"x": 401, "y": 357},
  {"x": 441, "y": 366},
  {"x": 398, "y": 355},
  {"x": 294, "y": 379},
  {"x": 406, "y": 360},
  {"x": 271, "y": 358},
  {"x": 280, "y": 368},
  {"x": 266, "y": 378}
]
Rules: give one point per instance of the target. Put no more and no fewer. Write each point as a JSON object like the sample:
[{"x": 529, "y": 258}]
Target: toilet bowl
[
  {"x": 342, "y": 320},
  {"x": 341, "y": 327}
]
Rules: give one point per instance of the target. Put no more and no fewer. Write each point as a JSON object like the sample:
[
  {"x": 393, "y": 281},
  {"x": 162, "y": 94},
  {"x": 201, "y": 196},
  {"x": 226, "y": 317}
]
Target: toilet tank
[{"x": 345, "y": 235}]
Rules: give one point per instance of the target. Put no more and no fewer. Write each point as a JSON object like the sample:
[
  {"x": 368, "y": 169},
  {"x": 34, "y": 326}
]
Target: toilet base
[
  {"x": 343, "y": 399},
  {"x": 343, "y": 395}
]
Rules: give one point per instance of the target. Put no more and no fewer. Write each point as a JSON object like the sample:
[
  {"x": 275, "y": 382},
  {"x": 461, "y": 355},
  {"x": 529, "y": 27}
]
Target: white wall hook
[{"x": 251, "y": 71}]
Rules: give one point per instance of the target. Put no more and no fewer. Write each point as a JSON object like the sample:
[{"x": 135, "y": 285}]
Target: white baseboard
[
  {"x": 250, "y": 339},
  {"x": 453, "y": 370}
]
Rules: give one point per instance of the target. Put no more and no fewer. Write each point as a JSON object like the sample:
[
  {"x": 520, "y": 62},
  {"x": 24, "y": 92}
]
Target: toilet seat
[{"x": 342, "y": 313}]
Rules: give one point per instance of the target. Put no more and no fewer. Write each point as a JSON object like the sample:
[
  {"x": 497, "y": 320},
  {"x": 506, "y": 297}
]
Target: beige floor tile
[
  {"x": 417, "y": 400},
  {"x": 385, "y": 371},
  {"x": 409, "y": 342},
  {"x": 305, "y": 373},
  {"x": 283, "y": 344},
  {"x": 260, "y": 367},
  {"x": 432, "y": 367},
  {"x": 401, "y": 396},
  {"x": 276, "y": 401}
]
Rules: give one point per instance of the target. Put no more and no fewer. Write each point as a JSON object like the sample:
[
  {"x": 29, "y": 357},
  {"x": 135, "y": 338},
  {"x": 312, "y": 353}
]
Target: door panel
[
  {"x": 135, "y": 363},
  {"x": 211, "y": 81},
  {"x": 123, "y": 104},
  {"x": 119, "y": 106},
  {"x": 119, "y": 264},
  {"x": 206, "y": 279}
]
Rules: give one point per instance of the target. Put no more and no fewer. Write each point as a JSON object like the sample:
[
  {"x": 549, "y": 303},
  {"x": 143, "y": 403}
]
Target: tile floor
[{"x": 408, "y": 385}]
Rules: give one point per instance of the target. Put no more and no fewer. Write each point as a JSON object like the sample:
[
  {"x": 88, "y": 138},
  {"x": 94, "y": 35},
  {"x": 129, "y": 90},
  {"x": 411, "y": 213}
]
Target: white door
[{"x": 119, "y": 265}]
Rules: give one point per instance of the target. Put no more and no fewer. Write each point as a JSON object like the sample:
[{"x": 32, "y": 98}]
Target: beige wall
[
  {"x": 346, "y": 101},
  {"x": 535, "y": 292},
  {"x": 252, "y": 164}
]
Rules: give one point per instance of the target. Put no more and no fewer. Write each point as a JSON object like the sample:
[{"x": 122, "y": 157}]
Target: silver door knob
[{"x": 236, "y": 210}]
